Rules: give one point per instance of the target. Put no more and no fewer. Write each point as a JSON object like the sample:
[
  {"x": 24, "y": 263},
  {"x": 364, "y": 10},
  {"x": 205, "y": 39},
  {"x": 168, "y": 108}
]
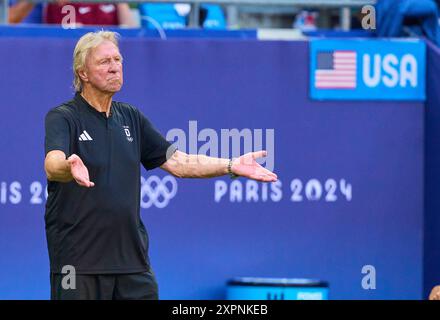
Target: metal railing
[{"x": 231, "y": 6}]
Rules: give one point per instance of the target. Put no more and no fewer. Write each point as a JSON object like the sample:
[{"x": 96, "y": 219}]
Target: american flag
[{"x": 336, "y": 70}]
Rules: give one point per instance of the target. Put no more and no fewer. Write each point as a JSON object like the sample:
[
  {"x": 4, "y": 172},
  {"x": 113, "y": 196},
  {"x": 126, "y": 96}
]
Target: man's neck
[{"x": 101, "y": 101}]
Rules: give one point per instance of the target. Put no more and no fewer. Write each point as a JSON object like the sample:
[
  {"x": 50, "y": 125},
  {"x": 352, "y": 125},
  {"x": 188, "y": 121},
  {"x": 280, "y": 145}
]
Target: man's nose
[{"x": 114, "y": 66}]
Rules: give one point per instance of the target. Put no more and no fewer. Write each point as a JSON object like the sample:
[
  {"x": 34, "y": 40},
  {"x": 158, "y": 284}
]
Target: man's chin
[{"x": 114, "y": 89}]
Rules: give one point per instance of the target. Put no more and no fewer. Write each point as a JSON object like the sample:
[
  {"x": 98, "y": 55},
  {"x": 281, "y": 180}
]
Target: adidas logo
[{"x": 85, "y": 136}]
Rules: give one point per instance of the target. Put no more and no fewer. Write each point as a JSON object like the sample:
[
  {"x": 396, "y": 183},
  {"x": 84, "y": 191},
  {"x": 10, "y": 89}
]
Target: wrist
[{"x": 231, "y": 174}]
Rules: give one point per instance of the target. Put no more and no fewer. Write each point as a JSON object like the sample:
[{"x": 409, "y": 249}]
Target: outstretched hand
[
  {"x": 79, "y": 171},
  {"x": 246, "y": 166}
]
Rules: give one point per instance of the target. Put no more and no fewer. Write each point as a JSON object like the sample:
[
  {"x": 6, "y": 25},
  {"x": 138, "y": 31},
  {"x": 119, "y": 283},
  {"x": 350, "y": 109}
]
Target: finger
[
  {"x": 270, "y": 179},
  {"x": 73, "y": 161},
  {"x": 263, "y": 170},
  {"x": 88, "y": 184},
  {"x": 267, "y": 172},
  {"x": 83, "y": 183},
  {"x": 264, "y": 178},
  {"x": 272, "y": 176},
  {"x": 259, "y": 154}
]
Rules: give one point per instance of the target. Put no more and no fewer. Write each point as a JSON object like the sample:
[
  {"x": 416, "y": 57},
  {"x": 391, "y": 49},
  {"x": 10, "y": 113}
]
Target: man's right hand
[{"x": 79, "y": 171}]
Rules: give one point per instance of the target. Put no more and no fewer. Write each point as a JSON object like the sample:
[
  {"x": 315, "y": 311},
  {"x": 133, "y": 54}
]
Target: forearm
[
  {"x": 201, "y": 166},
  {"x": 57, "y": 168},
  {"x": 185, "y": 165}
]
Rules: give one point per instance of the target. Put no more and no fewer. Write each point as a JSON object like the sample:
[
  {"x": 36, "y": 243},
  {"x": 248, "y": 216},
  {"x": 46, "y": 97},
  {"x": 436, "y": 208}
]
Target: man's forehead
[{"x": 104, "y": 49}]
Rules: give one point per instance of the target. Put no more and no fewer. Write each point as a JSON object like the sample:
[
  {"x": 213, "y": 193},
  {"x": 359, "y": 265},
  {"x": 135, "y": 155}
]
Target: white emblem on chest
[
  {"x": 127, "y": 133},
  {"x": 85, "y": 136}
]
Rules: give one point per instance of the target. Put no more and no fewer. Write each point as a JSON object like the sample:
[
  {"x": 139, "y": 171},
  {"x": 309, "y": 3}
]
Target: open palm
[
  {"x": 79, "y": 171},
  {"x": 246, "y": 166}
]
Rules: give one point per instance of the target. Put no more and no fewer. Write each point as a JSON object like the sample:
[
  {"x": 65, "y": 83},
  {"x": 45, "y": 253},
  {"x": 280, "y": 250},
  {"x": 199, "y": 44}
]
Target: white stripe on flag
[
  {"x": 344, "y": 54},
  {"x": 345, "y": 78},
  {"x": 340, "y": 60},
  {"x": 345, "y": 66},
  {"x": 332, "y": 84},
  {"x": 340, "y": 72}
]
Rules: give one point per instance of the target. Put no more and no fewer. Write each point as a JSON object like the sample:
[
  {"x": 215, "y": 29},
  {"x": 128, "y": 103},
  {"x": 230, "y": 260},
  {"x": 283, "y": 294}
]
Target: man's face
[{"x": 104, "y": 68}]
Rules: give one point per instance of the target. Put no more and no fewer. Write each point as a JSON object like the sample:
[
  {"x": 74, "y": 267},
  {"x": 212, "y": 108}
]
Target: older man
[{"x": 94, "y": 148}]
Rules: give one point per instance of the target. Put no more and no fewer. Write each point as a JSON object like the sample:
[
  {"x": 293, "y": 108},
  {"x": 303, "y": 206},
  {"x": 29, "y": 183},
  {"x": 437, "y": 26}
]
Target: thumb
[
  {"x": 74, "y": 159},
  {"x": 259, "y": 154}
]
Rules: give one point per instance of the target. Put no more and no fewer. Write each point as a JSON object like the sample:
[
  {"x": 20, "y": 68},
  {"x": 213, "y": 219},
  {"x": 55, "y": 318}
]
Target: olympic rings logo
[{"x": 158, "y": 191}]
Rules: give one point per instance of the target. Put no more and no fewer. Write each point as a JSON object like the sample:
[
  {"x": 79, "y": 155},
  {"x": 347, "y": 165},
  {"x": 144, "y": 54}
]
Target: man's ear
[{"x": 83, "y": 75}]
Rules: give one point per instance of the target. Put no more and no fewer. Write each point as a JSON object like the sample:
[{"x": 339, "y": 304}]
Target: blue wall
[
  {"x": 197, "y": 244},
  {"x": 432, "y": 171}
]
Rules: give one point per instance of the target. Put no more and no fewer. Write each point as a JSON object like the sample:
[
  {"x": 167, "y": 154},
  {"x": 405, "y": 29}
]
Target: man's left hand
[{"x": 246, "y": 166}]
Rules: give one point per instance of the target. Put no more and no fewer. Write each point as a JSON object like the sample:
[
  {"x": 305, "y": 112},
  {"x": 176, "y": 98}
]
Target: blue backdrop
[
  {"x": 432, "y": 172},
  {"x": 197, "y": 241}
]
